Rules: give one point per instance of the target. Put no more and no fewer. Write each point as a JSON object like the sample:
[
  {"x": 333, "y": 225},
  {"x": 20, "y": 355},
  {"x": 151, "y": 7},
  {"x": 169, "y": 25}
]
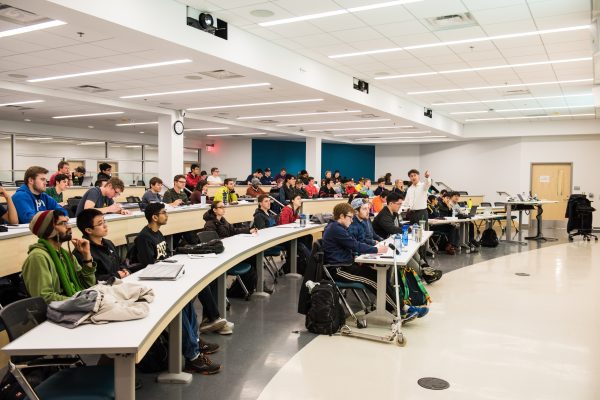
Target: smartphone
[
  {"x": 169, "y": 261},
  {"x": 386, "y": 256}
]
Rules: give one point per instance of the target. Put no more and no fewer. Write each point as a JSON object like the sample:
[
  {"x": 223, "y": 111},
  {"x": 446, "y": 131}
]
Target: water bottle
[
  {"x": 453, "y": 212},
  {"x": 225, "y": 197},
  {"x": 203, "y": 200},
  {"x": 421, "y": 229},
  {"x": 302, "y": 220},
  {"x": 415, "y": 231},
  {"x": 404, "y": 237},
  {"x": 398, "y": 242}
]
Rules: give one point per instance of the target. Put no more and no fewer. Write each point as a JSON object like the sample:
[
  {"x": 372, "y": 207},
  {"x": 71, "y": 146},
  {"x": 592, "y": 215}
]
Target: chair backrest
[
  {"x": 130, "y": 240},
  {"x": 19, "y": 182},
  {"x": 141, "y": 183},
  {"x": 463, "y": 193},
  {"x": 499, "y": 204},
  {"x": 485, "y": 204},
  {"x": 207, "y": 236},
  {"x": 133, "y": 199},
  {"x": 21, "y": 316}
]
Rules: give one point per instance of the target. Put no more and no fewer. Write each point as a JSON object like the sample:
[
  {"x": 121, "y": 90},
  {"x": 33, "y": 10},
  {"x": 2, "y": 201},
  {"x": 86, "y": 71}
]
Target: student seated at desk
[
  {"x": 254, "y": 190},
  {"x": 9, "y": 214},
  {"x": 214, "y": 178},
  {"x": 289, "y": 214},
  {"x": 339, "y": 248},
  {"x": 379, "y": 201},
  {"x": 31, "y": 197},
  {"x": 454, "y": 200},
  {"x": 78, "y": 176},
  {"x": 105, "y": 172},
  {"x": 49, "y": 271},
  {"x": 63, "y": 169},
  {"x": 152, "y": 195},
  {"x": 450, "y": 231},
  {"x": 399, "y": 187},
  {"x": 380, "y": 187},
  {"x": 361, "y": 228},
  {"x": 263, "y": 216},
  {"x": 267, "y": 179},
  {"x": 176, "y": 196},
  {"x": 149, "y": 247},
  {"x": 300, "y": 189},
  {"x": 200, "y": 190},
  {"x": 311, "y": 189},
  {"x": 193, "y": 177},
  {"x": 327, "y": 190},
  {"x": 61, "y": 181},
  {"x": 289, "y": 188},
  {"x": 101, "y": 198},
  {"x": 255, "y": 175},
  {"x": 366, "y": 188},
  {"x": 227, "y": 192}
]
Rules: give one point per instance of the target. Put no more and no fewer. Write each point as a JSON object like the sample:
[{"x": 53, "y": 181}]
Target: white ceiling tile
[
  {"x": 435, "y": 8},
  {"x": 470, "y": 32},
  {"x": 365, "y": 45},
  {"x": 483, "y": 58},
  {"x": 234, "y": 18},
  {"x": 524, "y": 50},
  {"x": 575, "y": 36},
  {"x": 295, "y": 29},
  {"x": 572, "y": 19},
  {"x": 338, "y": 23},
  {"x": 504, "y": 14},
  {"x": 288, "y": 43},
  {"x": 559, "y": 7},
  {"x": 516, "y": 26},
  {"x": 433, "y": 51},
  {"x": 532, "y": 41},
  {"x": 359, "y": 34},
  {"x": 306, "y": 7},
  {"x": 384, "y": 16},
  {"x": 581, "y": 45},
  {"x": 470, "y": 48},
  {"x": 18, "y": 46},
  {"x": 122, "y": 46},
  {"x": 265, "y": 33},
  {"x": 401, "y": 28},
  {"x": 474, "y": 5},
  {"x": 412, "y": 40}
]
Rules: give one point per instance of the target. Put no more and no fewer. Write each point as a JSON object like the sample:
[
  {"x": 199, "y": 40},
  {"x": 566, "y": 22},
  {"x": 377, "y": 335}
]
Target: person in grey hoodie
[{"x": 31, "y": 197}]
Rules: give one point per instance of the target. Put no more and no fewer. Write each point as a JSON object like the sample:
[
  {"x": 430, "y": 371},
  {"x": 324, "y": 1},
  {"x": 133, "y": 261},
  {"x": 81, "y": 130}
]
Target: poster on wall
[{"x": 544, "y": 179}]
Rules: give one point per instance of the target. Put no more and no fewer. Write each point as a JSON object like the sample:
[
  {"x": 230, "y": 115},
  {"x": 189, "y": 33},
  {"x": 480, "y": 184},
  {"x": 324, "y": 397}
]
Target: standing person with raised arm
[{"x": 416, "y": 196}]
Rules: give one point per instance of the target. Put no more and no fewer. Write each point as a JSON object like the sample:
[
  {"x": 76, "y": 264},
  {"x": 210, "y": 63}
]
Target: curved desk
[
  {"x": 324, "y": 205},
  {"x": 136, "y": 337},
  {"x": 73, "y": 191}
]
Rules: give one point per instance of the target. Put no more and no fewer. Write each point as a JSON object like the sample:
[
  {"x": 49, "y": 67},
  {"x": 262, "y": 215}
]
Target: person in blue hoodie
[{"x": 31, "y": 197}]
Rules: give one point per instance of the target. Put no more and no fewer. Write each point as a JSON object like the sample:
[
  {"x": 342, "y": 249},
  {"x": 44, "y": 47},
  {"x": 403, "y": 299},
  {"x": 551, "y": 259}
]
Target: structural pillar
[
  {"x": 170, "y": 149},
  {"x": 313, "y": 157}
]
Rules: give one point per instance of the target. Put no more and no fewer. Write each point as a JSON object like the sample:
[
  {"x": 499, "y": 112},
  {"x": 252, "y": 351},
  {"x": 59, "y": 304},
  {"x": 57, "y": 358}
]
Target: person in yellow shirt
[{"x": 228, "y": 189}]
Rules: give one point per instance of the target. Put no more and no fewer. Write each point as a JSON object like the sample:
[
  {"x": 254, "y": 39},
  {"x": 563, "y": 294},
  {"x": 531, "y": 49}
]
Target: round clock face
[{"x": 178, "y": 127}]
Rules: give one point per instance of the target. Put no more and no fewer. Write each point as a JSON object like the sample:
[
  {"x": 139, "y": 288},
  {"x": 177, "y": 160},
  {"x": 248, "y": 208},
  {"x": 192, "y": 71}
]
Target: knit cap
[
  {"x": 255, "y": 181},
  {"x": 357, "y": 203},
  {"x": 42, "y": 224}
]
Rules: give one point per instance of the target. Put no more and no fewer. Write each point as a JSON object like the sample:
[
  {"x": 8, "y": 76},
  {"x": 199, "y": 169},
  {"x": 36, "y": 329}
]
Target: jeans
[{"x": 189, "y": 333}]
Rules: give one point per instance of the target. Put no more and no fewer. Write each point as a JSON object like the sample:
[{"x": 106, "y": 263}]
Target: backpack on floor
[
  {"x": 325, "y": 314},
  {"x": 157, "y": 357},
  {"x": 414, "y": 292},
  {"x": 489, "y": 238}
]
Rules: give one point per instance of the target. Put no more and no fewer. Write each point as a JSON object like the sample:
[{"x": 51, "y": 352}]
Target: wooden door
[
  {"x": 552, "y": 181},
  {"x": 75, "y": 163}
]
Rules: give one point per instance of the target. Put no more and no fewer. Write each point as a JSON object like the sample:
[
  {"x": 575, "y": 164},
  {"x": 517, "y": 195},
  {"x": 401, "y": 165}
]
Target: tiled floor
[{"x": 484, "y": 320}]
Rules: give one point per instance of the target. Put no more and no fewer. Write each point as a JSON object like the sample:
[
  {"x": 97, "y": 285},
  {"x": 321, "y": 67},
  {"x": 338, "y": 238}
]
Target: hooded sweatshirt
[
  {"x": 28, "y": 204},
  {"x": 263, "y": 220},
  {"x": 222, "y": 227},
  {"x": 41, "y": 278}
]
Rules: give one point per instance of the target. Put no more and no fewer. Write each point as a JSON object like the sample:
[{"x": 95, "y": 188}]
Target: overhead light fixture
[
  {"x": 337, "y": 12},
  {"x": 530, "y": 117},
  {"x": 237, "y": 134},
  {"x": 90, "y": 143},
  {"x": 250, "y": 85},
  {"x": 138, "y": 123},
  {"x": 378, "y": 134},
  {"x": 31, "y": 28},
  {"x": 302, "y": 114},
  {"x": 501, "y": 86},
  {"x": 336, "y": 122},
  {"x": 220, "y": 128},
  {"x": 465, "y": 41},
  {"x": 88, "y": 115},
  {"x": 111, "y": 70},
  {"x": 18, "y": 103},
  {"x": 35, "y": 139},
  {"x": 270, "y": 103},
  {"x": 520, "y": 109},
  {"x": 398, "y": 139},
  {"x": 362, "y": 128},
  {"x": 493, "y": 67},
  {"x": 511, "y": 99}
]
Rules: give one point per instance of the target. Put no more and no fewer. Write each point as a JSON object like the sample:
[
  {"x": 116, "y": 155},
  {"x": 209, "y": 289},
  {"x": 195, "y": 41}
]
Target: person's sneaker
[
  {"x": 207, "y": 348},
  {"x": 202, "y": 365},
  {"x": 408, "y": 316},
  {"x": 212, "y": 326},
  {"x": 450, "y": 249},
  {"x": 474, "y": 243},
  {"x": 420, "y": 311},
  {"x": 227, "y": 329},
  {"x": 431, "y": 275}
]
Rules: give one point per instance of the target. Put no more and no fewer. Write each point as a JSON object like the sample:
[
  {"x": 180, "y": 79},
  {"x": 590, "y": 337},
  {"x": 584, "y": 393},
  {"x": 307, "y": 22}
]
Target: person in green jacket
[
  {"x": 56, "y": 191},
  {"x": 50, "y": 271}
]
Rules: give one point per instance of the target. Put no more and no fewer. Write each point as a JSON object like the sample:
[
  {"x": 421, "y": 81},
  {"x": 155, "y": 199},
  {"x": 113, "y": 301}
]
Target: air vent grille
[
  {"x": 90, "y": 89},
  {"x": 452, "y": 21},
  {"x": 221, "y": 74}
]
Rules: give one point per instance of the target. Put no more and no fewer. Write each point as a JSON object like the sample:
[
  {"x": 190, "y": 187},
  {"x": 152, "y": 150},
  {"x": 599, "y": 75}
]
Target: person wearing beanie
[
  {"x": 49, "y": 271},
  {"x": 254, "y": 190},
  {"x": 361, "y": 228}
]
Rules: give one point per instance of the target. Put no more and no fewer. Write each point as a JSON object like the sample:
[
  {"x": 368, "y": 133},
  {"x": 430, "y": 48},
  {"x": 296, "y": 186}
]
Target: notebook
[{"x": 162, "y": 271}]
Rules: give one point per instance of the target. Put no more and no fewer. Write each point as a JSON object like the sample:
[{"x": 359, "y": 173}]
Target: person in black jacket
[
  {"x": 263, "y": 216},
  {"x": 289, "y": 187},
  {"x": 449, "y": 231},
  {"x": 327, "y": 189},
  {"x": 214, "y": 220}
]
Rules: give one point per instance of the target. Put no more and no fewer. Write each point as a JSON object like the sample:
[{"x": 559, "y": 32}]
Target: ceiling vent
[
  {"x": 221, "y": 74},
  {"x": 516, "y": 92},
  {"x": 18, "y": 16},
  {"x": 268, "y": 121},
  {"x": 368, "y": 116},
  {"x": 18, "y": 108},
  {"x": 90, "y": 89},
  {"x": 537, "y": 115},
  {"x": 452, "y": 21}
]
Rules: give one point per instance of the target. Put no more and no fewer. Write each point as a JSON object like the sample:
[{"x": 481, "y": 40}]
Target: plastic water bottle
[
  {"x": 225, "y": 197},
  {"x": 415, "y": 231},
  {"x": 398, "y": 242},
  {"x": 453, "y": 212},
  {"x": 203, "y": 200},
  {"x": 404, "y": 237},
  {"x": 302, "y": 220}
]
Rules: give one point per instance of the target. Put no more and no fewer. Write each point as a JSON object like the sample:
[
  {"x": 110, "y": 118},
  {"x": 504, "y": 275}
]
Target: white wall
[
  {"x": 233, "y": 157},
  {"x": 397, "y": 159}
]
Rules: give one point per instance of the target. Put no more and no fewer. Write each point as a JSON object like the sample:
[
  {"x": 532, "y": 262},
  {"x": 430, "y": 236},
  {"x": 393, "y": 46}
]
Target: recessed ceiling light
[
  {"x": 193, "y": 77},
  {"x": 337, "y": 12},
  {"x": 493, "y": 67},
  {"x": 141, "y": 131},
  {"x": 336, "y": 122},
  {"x": 35, "y": 139},
  {"x": 16, "y": 103},
  {"x": 138, "y": 123},
  {"x": 237, "y": 134},
  {"x": 501, "y": 86},
  {"x": 270, "y": 103},
  {"x": 262, "y": 13},
  {"x": 302, "y": 114},
  {"x": 511, "y": 99},
  {"x": 87, "y": 115},
  {"x": 380, "y": 133},
  {"x": 362, "y": 128},
  {"x": 220, "y": 128},
  {"x": 455, "y": 42},
  {"x": 520, "y": 109},
  {"x": 31, "y": 28},
  {"x": 530, "y": 117},
  {"x": 110, "y": 70},
  {"x": 250, "y": 85},
  {"x": 18, "y": 76},
  {"x": 398, "y": 139},
  {"x": 27, "y": 120},
  {"x": 91, "y": 126}
]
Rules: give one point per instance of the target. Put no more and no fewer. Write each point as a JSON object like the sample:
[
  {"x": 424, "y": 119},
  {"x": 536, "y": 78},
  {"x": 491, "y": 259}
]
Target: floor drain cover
[
  {"x": 433, "y": 383},
  {"x": 522, "y": 274}
]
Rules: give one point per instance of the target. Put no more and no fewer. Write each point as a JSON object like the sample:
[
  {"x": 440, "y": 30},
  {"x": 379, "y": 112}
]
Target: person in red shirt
[
  {"x": 350, "y": 189},
  {"x": 311, "y": 189},
  {"x": 290, "y": 213},
  {"x": 193, "y": 177},
  {"x": 63, "y": 168}
]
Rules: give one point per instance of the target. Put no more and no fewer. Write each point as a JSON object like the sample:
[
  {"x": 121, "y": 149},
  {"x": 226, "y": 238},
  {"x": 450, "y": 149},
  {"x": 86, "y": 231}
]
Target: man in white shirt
[
  {"x": 214, "y": 178},
  {"x": 416, "y": 196}
]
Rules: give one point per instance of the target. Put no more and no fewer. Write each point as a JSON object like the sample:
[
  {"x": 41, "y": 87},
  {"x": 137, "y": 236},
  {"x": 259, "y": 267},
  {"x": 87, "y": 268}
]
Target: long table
[
  {"x": 74, "y": 191},
  {"x": 136, "y": 337}
]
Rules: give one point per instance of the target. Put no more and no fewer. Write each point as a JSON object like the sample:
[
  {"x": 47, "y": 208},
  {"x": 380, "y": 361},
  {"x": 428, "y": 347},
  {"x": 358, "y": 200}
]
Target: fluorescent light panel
[
  {"x": 88, "y": 115},
  {"x": 513, "y": 99},
  {"x": 530, "y": 117},
  {"x": 31, "y": 28},
  {"x": 362, "y": 128},
  {"x": 250, "y": 85},
  {"x": 138, "y": 123},
  {"x": 501, "y": 86},
  {"x": 397, "y": 139},
  {"x": 302, "y": 114},
  {"x": 16, "y": 103},
  {"x": 270, "y": 103},
  {"x": 111, "y": 70},
  {"x": 206, "y": 129},
  {"x": 520, "y": 109},
  {"x": 493, "y": 67},
  {"x": 337, "y": 12},
  {"x": 379, "y": 133},
  {"x": 90, "y": 143},
  {"x": 465, "y": 41},
  {"x": 336, "y": 122},
  {"x": 238, "y": 134}
]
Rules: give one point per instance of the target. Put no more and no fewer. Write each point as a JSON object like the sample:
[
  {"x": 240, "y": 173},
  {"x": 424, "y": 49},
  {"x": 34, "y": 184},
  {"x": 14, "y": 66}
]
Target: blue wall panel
[
  {"x": 277, "y": 154},
  {"x": 353, "y": 161}
]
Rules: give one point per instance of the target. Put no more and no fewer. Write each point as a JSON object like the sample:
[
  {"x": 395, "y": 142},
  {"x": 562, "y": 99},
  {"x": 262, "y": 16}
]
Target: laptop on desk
[
  {"x": 87, "y": 181},
  {"x": 473, "y": 211},
  {"x": 162, "y": 271}
]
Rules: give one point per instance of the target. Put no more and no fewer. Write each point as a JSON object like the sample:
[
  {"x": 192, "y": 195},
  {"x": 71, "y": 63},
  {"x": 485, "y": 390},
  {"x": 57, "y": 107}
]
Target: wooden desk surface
[{"x": 325, "y": 205}]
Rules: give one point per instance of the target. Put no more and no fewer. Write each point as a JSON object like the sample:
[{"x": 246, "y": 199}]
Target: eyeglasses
[
  {"x": 101, "y": 223},
  {"x": 180, "y": 181},
  {"x": 349, "y": 215}
]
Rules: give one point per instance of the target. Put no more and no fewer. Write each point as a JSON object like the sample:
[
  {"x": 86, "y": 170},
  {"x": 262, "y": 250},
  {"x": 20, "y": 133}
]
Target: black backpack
[
  {"x": 412, "y": 287},
  {"x": 212, "y": 246},
  {"x": 157, "y": 357},
  {"x": 325, "y": 314},
  {"x": 489, "y": 238}
]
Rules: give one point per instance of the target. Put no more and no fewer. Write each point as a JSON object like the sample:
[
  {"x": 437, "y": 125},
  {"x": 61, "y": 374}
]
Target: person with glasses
[
  {"x": 214, "y": 178},
  {"x": 50, "y": 271},
  {"x": 31, "y": 197},
  {"x": 102, "y": 198},
  {"x": 176, "y": 196},
  {"x": 227, "y": 192},
  {"x": 93, "y": 227}
]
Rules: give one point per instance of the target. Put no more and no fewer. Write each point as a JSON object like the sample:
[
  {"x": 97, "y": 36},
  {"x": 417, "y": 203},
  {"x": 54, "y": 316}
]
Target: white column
[
  {"x": 313, "y": 157},
  {"x": 170, "y": 149}
]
